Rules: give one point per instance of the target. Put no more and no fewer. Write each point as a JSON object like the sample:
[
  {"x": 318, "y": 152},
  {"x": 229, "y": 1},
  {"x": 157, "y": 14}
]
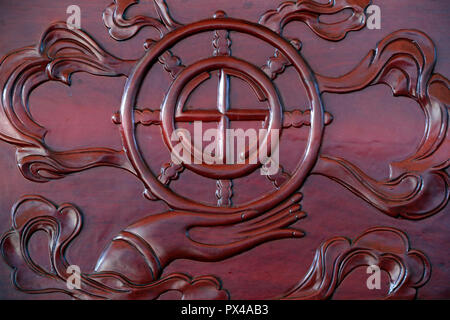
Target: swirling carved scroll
[
  {"x": 387, "y": 248},
  {"x": 310, "y": 11},
  {"x": 418, "y": 186},
  {"x": 121, "y": 28},
  {"x": 60, "y": 53}
]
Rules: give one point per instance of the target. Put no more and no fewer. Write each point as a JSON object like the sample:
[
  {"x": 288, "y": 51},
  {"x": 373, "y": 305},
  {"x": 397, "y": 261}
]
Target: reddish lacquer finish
[{"x": 169, "y": 229}]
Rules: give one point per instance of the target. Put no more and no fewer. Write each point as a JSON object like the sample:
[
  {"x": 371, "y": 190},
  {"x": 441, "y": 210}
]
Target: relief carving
[{"x": 404, "y": 61}]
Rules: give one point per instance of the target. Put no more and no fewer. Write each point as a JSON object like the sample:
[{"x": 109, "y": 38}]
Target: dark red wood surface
[{"x": 370, "y": 128}]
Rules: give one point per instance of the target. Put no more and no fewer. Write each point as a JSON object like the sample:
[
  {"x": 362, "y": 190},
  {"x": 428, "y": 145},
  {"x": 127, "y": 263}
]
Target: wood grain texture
[{"x": 217, "y": 222}]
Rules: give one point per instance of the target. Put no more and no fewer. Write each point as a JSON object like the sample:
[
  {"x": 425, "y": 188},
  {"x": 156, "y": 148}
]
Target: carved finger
[{"x": 274, "y": 224}]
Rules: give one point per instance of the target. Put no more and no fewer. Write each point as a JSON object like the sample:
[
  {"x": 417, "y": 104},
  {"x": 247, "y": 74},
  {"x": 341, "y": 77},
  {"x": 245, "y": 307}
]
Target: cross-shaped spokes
[
  {"x": 223, "y": 115},
  {"x": 188, "y": 80}
]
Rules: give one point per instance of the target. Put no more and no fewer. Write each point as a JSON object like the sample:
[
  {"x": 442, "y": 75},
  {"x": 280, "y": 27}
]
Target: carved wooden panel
[{"x": 90, "y": 113}]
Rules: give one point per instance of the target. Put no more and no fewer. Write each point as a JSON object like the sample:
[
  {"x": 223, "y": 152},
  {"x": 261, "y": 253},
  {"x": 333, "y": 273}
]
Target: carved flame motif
[{"x": 404, "y": 61}]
